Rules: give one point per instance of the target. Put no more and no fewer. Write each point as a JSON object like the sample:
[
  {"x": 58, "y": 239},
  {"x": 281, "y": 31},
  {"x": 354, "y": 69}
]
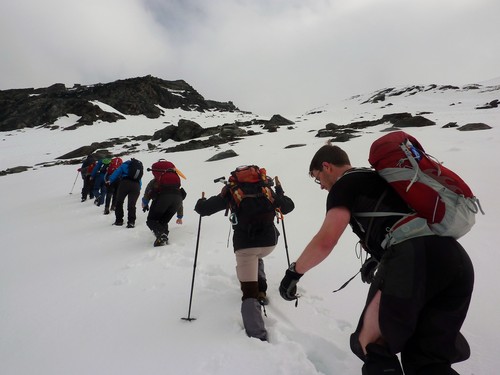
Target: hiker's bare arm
[{"x": 324, "y": 241}]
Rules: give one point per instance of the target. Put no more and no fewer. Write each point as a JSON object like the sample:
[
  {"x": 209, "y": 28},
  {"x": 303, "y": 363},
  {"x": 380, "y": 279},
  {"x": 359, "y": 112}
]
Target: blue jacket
[
  {"x": 121, "y": 171},
  {"x": 96, "y": 169}
]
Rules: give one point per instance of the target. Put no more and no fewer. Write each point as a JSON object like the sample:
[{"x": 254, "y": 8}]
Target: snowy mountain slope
[{"x": 80, "y": 296}]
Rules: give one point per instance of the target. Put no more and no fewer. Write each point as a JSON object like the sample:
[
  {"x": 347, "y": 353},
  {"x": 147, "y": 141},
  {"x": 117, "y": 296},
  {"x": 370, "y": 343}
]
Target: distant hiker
[
  {"x": 253, "y": 204},
  {"x": 86, "y": 170},
  {"x": 167, "y": 195},
  {"x": 130, "y": 173},
  {"x": 97, "y": 178},
  {"x": 112, "y": 188},
  {"x": 420, "y": 293}
]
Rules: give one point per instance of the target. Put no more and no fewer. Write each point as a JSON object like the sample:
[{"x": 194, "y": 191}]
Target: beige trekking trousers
[{"x": 247, "y": 262}]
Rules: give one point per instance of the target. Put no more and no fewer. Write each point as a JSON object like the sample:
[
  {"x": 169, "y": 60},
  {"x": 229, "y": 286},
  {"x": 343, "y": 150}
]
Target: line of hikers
[
  {"x": 109, "y": 181},
  {"x": 421, "y": 279}
]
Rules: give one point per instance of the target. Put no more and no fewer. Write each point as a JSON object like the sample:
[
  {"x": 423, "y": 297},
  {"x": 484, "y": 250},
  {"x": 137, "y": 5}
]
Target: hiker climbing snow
[{"x": 248, "y": 194}]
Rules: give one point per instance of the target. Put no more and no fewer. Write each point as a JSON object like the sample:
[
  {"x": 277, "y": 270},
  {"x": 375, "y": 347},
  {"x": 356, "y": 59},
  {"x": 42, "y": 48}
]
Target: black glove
[
  {"x": 145, "y": 205},
  {"x": 368, "y": 270},
  {"x": 288, "y": 286},
  {"x": 199, "y": 203},
  {"x": 279, "y": 190}
]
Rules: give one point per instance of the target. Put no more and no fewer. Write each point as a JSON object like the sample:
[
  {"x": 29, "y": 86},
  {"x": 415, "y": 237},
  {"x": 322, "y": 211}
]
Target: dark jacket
[
  {"x": 247, "y": 233},
  {"x": 154, "y": 190}
]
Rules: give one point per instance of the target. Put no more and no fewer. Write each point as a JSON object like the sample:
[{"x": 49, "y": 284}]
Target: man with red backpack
[
  {"x": 420, "y": 292},
  {"x": 166, "y": 194}
]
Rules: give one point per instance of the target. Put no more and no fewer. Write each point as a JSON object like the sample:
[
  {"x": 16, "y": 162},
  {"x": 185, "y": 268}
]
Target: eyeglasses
[{"x": 316, "y": 179}]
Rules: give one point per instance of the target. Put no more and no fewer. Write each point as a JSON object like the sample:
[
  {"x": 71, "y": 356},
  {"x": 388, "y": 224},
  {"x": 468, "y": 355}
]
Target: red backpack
[
  {"x": 443, "y": 203},
  {"x": 113, "y": 165},
  {"x": 165, "y": 173},
  {"x": 90, "y": 168}
]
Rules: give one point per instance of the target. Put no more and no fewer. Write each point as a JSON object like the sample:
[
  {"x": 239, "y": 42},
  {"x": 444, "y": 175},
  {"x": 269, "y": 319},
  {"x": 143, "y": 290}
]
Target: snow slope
[{"x": 80, "y": 296}]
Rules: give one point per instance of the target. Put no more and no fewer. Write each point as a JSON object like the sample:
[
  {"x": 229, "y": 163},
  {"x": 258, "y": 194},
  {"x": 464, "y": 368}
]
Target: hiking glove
[
  {"x": 145, "y": 205},
  {"x": 288, "y": 286}
]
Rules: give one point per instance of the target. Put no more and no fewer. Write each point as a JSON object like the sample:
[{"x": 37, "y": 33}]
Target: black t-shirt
[{"x": 359, "y": 190}]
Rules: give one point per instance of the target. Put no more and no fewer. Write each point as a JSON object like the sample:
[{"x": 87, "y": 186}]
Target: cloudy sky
[{"x": 267, "y": 56}]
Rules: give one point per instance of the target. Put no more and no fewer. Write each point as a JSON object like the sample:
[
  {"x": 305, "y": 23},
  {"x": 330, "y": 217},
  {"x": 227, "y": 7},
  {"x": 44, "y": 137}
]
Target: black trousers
[
  {"x": 132, "y": 190},
  {"x": 111, "y": 193},
  {"x": 87, "y": 187},
  {"x": 163, "y": 208},
  {"x": 426, "y": 286}
]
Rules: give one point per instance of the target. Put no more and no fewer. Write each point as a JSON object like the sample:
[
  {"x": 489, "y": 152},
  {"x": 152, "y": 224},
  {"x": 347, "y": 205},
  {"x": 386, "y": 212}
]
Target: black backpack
[{"x": 135, "y": 170}]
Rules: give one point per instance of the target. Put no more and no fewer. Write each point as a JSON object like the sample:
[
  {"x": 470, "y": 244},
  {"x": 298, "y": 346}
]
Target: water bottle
[{"x": 415, "y": 152}]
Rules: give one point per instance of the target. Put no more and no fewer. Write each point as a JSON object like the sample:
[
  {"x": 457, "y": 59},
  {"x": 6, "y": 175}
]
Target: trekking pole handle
[{"x": 279, "y": 214}]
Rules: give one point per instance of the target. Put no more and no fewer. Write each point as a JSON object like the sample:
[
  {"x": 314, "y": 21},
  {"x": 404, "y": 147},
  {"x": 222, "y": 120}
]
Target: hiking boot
[
  {"x": 118, "y": 222},
  {"x": 262, "y": 298},
  {"x": 162, "y": 240},
  {"x": 84, "y": 199},
  {"x": 106, "y": 211},
  {"x": 130, "y": 224}
]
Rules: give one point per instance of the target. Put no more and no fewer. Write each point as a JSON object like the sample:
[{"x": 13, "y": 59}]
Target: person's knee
[{"x": 250, "y": 289}]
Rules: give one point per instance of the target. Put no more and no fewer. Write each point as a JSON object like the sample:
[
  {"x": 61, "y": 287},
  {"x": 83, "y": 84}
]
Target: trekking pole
[
  {"x": 194, "y": 268},
  {"x": 77, "y": 172},
  {"x": 281, "y": 217}
]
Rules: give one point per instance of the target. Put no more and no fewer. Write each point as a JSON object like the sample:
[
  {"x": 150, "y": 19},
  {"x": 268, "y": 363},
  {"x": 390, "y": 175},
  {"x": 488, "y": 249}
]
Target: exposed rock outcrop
[{"x": 21, "y": 108}]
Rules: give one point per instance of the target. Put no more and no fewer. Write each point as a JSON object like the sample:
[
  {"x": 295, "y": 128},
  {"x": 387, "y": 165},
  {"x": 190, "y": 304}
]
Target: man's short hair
[{"x": 330, "y": 154}]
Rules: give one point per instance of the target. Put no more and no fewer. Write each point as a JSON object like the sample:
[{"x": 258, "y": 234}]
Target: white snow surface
[{"x": 80, "y": 296}]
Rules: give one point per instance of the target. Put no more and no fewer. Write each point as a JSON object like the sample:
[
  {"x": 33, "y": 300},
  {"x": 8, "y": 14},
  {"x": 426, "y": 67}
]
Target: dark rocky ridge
[{"x": 29, "y": 108}]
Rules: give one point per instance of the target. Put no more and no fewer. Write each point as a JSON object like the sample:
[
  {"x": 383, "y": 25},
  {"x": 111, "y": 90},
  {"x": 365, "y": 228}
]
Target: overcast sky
[{"x": 267, "y": 56}]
